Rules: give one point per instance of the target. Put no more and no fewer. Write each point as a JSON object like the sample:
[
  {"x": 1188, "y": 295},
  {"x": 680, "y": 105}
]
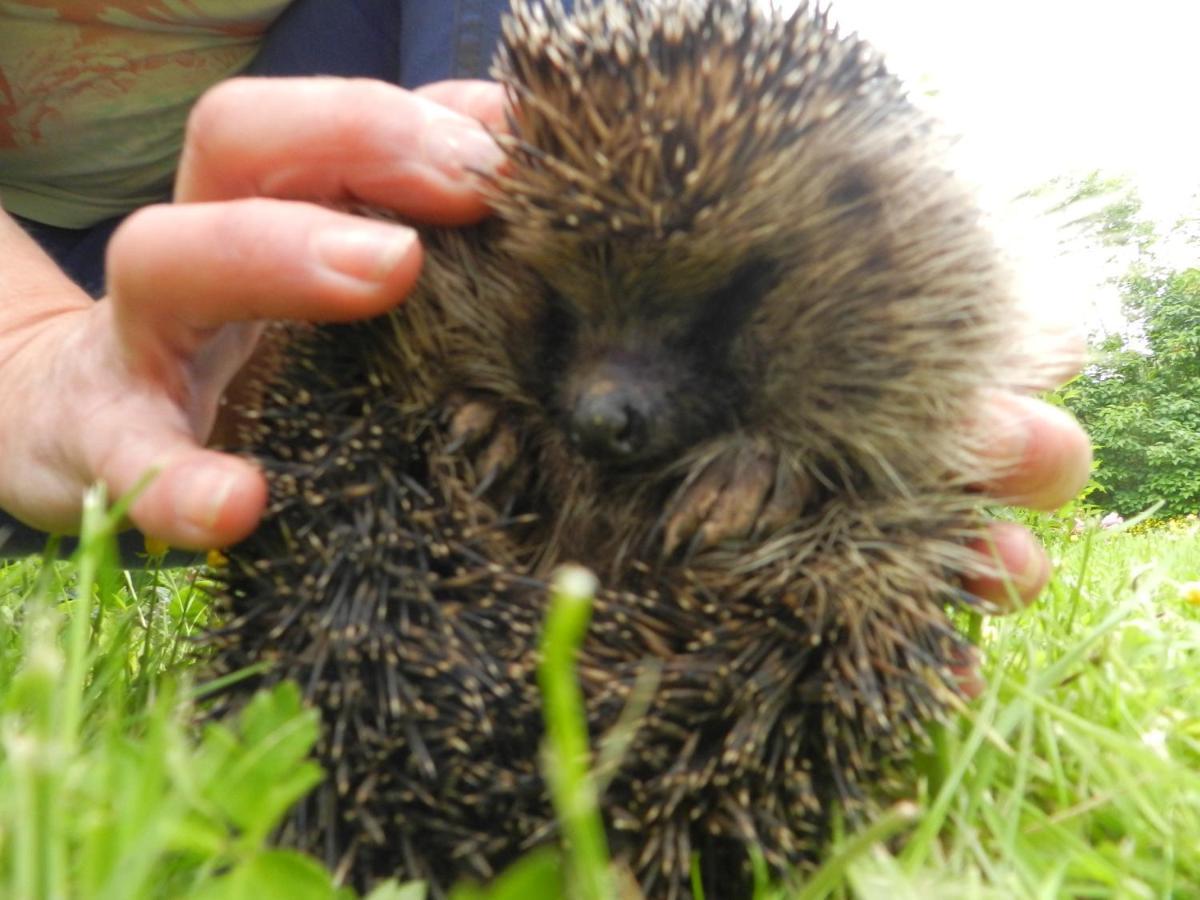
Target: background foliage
[{"x": 1140, "y": 398}]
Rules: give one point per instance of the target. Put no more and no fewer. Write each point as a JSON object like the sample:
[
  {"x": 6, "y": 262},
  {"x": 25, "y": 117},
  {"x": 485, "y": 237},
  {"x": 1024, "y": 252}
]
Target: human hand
[
  {"x": 1049, "y": 459},
  {"x": 107, "y": 390}
]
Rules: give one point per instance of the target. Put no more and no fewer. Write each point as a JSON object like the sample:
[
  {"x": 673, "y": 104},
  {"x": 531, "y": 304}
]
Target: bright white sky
[{"x": 1039, "y": 88}]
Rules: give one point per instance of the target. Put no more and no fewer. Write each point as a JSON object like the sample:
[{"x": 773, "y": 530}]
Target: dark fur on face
[{"x": 720, "y": 343}]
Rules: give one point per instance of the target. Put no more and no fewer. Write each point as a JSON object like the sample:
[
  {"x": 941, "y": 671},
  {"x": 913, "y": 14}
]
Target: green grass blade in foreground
[
  {"x": 1078, "y": 774},
  {"x": 832, "y": 874},
  {"x": 95, "y": 564},
  {"x": 42, "y": 727},
  {"x": 566, "y": 754},
  {"x": 107, "y": 791},
  {"x": 538, "y": 875}
]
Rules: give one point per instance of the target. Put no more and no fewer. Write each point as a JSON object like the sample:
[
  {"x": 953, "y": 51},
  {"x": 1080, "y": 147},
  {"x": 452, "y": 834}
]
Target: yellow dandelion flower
[
  {"x": 1191, "y": 592},
  {"x": 155, "y": 547}
]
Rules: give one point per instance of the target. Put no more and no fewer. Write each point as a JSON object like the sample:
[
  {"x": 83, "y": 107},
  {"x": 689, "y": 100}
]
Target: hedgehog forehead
[
  {"x": 634, "y": 118},
  {"x": 659, "y": 288}
]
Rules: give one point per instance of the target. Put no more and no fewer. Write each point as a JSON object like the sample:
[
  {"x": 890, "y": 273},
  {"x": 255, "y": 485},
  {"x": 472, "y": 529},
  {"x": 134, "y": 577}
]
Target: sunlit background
[
  {"x": 1055, "y": 88},
  {"x": 1042, "y": 88}
]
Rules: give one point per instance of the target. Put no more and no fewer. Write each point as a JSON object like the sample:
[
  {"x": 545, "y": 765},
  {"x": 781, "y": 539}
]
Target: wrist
[{"x": 32, "y": 287}]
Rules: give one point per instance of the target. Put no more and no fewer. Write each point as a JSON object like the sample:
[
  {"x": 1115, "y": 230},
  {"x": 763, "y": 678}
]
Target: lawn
[{"x": 1076, "y": 774}]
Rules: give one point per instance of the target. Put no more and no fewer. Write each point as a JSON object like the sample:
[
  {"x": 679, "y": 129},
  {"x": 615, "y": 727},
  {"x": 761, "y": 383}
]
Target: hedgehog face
[
  {"x": 635, "y": 383},
  {"x": 732, "y": 222},
  {"x": 650, "y": 343},
  {"x": 717, "y": 344}
]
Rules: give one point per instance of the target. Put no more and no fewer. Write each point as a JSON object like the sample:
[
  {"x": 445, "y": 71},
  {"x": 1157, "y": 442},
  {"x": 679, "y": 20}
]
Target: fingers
[
  {"x": 197, "y": 499},
  {"x": 343, "y": 140},
  {"x": 73, "y": 413},
  {"x": 1045, "y": 460},
  {"x": 1045, "y": 457},
  {"x": 177, "y": 269},
  {"x": 1026, "y": 571},
  {"x": 137, "y": 428},
  {"x": 1023, "y": 562},
  {"x": 965, "y": 668},
  {"x": 180, "y": 275}
]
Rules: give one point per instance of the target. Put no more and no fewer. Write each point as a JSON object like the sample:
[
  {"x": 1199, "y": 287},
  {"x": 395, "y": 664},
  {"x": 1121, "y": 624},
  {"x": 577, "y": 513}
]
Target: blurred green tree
[{"x": 1140, "y": 397}]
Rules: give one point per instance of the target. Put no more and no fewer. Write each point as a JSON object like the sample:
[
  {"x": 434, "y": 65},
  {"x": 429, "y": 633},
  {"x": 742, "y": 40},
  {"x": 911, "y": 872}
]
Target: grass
[{"x": 1076, "y": 774}]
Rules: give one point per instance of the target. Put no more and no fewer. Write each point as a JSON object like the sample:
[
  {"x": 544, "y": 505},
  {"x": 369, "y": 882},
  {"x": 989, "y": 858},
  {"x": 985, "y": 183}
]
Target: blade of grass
[{"x": 572, "y": 787}]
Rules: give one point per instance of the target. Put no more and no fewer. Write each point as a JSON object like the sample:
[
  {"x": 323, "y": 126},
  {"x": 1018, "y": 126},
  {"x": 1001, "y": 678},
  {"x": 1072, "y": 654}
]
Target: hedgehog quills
[{"x": 718, "y": 343}]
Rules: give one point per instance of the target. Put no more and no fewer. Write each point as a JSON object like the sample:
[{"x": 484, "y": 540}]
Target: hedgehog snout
[
  {"x": 611, "y": 418},
  {"x": 621, "y": 403},
  {"x": 637, "y": 405}
]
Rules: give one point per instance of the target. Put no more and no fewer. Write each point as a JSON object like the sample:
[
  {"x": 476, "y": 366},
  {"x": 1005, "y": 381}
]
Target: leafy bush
[{"x": 1140, "y": 400}]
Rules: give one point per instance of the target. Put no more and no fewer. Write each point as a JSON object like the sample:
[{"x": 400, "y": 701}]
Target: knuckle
[
  {"x": 355, "y": 111},
  {"x": 127, "y": 242}
]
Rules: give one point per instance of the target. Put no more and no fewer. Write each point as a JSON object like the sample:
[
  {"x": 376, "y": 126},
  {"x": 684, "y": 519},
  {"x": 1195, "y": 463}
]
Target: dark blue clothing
[{"x": 406, "y": 42}]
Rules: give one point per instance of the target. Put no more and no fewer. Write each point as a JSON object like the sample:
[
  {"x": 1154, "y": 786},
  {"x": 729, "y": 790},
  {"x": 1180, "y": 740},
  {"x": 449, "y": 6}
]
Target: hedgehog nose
[{"x": 609, "y": 423}]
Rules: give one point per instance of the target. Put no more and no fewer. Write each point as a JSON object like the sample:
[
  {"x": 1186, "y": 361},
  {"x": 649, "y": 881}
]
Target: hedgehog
[{"x": 718, "y": 343}]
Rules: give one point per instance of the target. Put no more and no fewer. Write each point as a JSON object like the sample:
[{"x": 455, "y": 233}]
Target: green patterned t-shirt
[{"x": 94, "y": 95}]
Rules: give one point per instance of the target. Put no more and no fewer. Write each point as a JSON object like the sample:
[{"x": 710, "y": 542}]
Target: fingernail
[
  {"x": 1028, "y": 584},
  {"x": 1027, "y": 566},
  {"x": 1019, "y": 569},
  {"x": 459, "y": 147},
  {"x": 965, "y": 665},
  {"x": 1009, "y": 430},
  {"x": 368, "y": 253},
  {"x": 1033, "y": 573},
  {"x": 203, "y": 495}
]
